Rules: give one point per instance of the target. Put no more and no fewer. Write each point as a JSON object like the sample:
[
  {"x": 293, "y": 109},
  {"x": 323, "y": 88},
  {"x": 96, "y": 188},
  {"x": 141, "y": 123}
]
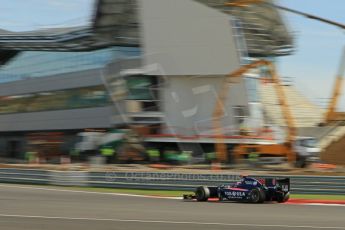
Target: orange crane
[
  {"x": 272, "y": 149},
  {"x": 331, "y": 114}
]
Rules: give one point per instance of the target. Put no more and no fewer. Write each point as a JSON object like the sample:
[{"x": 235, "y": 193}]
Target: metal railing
[{"x": 332, "y": 185}]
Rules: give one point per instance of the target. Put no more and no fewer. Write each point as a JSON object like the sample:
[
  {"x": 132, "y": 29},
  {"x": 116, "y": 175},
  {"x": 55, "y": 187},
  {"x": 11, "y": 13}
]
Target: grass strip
[{"x": 174, "y": 193}]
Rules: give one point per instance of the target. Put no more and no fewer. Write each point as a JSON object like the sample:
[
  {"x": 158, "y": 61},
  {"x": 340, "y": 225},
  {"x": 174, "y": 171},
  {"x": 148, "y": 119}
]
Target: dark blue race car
[{"x": 247, "y": 190}]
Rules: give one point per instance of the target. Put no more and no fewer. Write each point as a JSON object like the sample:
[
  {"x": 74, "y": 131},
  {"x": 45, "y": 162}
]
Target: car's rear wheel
[
  {"x": 202, "y": 193},
  {"x": 257, "y": 195}
]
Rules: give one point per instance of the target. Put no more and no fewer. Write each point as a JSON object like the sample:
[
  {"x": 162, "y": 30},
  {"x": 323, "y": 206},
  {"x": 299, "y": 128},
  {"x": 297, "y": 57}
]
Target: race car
[{"x": 249, "y": 189}]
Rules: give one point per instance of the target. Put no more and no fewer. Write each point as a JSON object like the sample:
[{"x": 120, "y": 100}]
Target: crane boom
[
  {"x": 331, "y": 114},
  {"x": 219, "y": 110},
  {"x": 290, "y": 123},
  {"x": 220, "y": 147}
]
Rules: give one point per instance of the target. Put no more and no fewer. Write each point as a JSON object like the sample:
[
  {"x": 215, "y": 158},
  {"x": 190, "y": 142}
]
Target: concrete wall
[
  {"x": 51, "y": 83},
  {"x": 57, "y": 120},
  {"x": 187, "y": 38},
  {"x": 194, "y": 48},
  {"x": 190, "y": 101}
]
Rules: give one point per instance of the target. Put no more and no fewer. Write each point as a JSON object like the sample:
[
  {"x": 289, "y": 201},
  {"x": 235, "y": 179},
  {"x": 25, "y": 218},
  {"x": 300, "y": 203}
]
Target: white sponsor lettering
[{"x": 235, "y": 194}]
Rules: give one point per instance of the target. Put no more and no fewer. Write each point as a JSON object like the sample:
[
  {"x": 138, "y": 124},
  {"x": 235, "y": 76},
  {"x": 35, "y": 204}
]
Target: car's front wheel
[{"x": 202, "y": 193}]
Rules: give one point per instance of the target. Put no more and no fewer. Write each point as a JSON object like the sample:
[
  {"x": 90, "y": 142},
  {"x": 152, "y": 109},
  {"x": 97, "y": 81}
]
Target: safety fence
[{"x": 160, "y": 180}]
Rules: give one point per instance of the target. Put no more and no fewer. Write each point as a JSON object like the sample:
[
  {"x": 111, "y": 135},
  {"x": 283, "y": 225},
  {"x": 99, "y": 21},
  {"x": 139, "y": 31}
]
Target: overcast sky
[{"x": 313, "y": 65}]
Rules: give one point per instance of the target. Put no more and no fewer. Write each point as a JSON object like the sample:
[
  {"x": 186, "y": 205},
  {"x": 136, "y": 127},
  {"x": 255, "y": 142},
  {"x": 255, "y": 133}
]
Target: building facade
[{"x": 167, "y": 86}]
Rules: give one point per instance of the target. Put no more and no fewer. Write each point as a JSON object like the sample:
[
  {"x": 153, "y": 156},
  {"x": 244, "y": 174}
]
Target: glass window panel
[
  {"x": 139, "y": 87},
  {"x": 95, "y": 96},
  {"x": 32, "y": 64}
]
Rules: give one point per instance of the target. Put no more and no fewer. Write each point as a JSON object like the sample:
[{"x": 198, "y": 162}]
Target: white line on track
[
  {"x": 87, "y": 192},
  {"x": 323, "y": 204},
  {"x": 168, "y": 222}
]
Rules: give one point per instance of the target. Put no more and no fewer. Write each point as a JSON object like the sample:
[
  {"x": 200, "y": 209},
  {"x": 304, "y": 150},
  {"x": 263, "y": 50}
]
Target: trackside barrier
[
  {"x": 68, "y": 178},
  {"x": 332, "y": 185}
]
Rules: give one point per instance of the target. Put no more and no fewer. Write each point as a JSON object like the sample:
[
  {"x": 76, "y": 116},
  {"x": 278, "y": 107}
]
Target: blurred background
[{"x": 227, "y": 83}]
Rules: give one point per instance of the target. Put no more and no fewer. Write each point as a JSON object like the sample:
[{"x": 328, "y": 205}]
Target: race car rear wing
[{"x": 284, "y": 184}]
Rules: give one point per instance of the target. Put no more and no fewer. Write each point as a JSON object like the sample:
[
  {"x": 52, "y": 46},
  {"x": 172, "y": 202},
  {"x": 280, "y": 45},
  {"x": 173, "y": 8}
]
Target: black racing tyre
[
  {"x": 202, "y": 193},
  {"x": 282, "y": 198},
  {"x": 213, "y": 192},
  {"x": 257, "y": 195}
]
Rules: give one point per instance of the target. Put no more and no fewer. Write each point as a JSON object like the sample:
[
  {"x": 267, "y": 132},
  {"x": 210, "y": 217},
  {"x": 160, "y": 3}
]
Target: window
[
  {"x": 240, "y": 114},
  {"x": 141, "y": 87},
  {"x": 32, "y": 64},
  {"x": 94, "y": 96}
]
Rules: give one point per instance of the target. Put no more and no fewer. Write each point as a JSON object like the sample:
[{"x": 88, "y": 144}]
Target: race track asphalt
[{"x": 34, "y": 208}]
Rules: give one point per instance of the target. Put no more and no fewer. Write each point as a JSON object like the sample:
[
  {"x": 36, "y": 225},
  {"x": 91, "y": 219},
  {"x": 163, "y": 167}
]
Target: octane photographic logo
[
  {"x": 147, "y": 177},
  {"x": 110, "y": 176}
]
